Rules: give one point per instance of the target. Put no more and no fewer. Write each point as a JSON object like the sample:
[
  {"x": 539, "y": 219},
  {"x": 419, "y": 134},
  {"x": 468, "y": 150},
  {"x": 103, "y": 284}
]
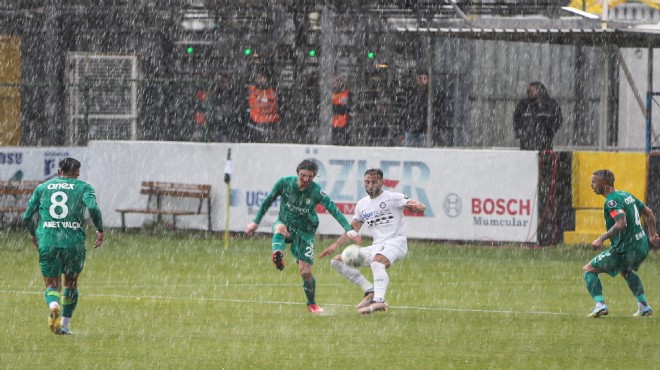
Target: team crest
[{"x": 611, "y": 203}]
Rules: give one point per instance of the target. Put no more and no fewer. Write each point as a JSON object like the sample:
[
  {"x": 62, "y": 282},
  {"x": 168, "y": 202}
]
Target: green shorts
[
  {"x": 302, "y": 243},
  {"x": 614, "y": 263},
  {"x": 55, "y": 261}
]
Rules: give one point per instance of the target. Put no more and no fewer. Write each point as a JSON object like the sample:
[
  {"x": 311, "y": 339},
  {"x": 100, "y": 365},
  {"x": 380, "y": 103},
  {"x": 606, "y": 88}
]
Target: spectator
[
  {"x": 264, "y": 122},
  {"x": 536, "y": 119},
  {"x": 415, "y": 120},
  {"x": 341, "y": 110},
  {"x": 224, "y": 127}
]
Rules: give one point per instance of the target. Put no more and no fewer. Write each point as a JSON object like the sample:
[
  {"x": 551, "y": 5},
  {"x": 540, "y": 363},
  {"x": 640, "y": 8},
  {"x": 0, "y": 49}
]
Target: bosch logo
[{"x": 453, "y": 205}]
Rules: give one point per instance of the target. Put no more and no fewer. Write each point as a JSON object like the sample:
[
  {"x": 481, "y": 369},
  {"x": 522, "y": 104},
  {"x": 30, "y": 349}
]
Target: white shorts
[{"x": 394, "y": 249}]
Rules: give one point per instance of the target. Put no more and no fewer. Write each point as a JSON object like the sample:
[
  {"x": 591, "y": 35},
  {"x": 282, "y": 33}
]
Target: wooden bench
[
  {"x": 157, "y": 190},
  {"x": 14, "y": 196}
]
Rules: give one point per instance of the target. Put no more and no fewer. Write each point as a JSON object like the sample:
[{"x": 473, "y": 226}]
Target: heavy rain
[{"x": 185, "y": 174}]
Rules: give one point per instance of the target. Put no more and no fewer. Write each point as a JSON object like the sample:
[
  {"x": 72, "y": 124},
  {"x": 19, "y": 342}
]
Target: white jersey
[{"x": 383, "y": 215}]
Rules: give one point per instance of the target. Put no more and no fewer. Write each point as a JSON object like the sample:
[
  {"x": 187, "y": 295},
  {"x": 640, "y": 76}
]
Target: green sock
[
  {"x": 310, "y": 290},
  {"x": 52, "y": 295},
  {"x": 278, "y": 242},
  {"x": 69, "y": 302},
  {"x": 636, "y": 287},
  {"x": 594, "y": 286}
]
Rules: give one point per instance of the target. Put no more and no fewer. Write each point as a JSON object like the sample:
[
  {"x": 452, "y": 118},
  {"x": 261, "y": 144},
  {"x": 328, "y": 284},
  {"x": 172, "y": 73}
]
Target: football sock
[
  {"x": 310, "y": 290},
  {"x": 353, "y": 275},
  {"x": 66, "y": 321},
  {"x": 635, "y": 285},
  {"x": 594, "y": 286},
  {"x": 52, "y": 296},
  {"x": 69, "y": 301},
  {"x": 278, "y": 242},
  {"x": 381, "y": 280}
]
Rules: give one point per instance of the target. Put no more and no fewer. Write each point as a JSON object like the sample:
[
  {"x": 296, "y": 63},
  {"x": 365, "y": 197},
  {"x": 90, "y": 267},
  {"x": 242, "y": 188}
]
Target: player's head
[
  {"x": 602, "y": 181},
  {"x": 69, "y": 167},
  {"x": 306, "y": 171},
  {"x": 536, "y": 90},
  {"x": 373, "y": 182}
]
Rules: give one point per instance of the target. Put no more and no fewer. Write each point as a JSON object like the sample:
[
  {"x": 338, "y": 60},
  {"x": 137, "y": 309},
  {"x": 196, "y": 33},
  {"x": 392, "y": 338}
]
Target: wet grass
[{"x": 179, "y": 300}]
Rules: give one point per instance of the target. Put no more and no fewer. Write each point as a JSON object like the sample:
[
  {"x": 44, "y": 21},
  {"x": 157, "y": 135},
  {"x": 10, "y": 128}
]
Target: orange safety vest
[
  {"x": 263, "y": 105},
  {"x": 340, "y": 103}
]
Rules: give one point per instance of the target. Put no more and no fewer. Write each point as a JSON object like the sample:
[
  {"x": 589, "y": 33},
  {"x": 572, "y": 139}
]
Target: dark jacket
[
  {"x": 535, "y": 122},
  {"x": 415, "y": 112}
]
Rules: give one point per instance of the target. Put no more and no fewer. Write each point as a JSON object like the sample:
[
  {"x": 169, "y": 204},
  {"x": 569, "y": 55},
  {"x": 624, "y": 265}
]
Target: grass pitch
[{"x": 179, "y": 300}]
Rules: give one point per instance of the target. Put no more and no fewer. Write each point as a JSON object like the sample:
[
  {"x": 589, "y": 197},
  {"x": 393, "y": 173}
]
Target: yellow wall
[
  {"x": 629, "y": 173},
  {"x": 10, "y": 96}
]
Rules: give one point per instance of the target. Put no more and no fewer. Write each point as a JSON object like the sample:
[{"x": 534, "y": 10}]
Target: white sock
[
  {"x": 381, "y": 280},
  {"x": 53, "y": 305},
  {"x": 65, "y": 322},
  {"x": 352, "y": 274},
  {"x": 600, "y": 304}
]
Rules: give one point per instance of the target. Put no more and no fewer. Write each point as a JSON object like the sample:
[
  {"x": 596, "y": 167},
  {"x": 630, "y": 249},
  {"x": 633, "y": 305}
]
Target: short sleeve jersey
[
  {"x": 61, "y": 203},
  {"x": 383, "y": 215},
  {"x": 298, "y": 208},
  {"x": 623, "y": 203}
]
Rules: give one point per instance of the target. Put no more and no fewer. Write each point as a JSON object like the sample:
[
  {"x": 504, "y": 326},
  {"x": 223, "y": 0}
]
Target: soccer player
[
  {"x": 60, "y": 237},
  {"x": 297, "y": 222},
  {"x": 630, "y": 244},
  {"x": 382, "y": 211}
]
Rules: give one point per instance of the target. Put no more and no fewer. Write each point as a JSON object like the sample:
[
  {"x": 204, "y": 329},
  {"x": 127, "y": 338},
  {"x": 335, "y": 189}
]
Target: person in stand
[
  {"x": 382, "y": 212},
  {"x": 341, "y": 111},
  {"x": 536, "y": 119},
  {"x": 60, "y": 204},
  {"x": 416, "y": 113},
  {"x": 629, "y": 243},
  {"x": 264, "y": 124},
  {"x": 297, "y": 223}
]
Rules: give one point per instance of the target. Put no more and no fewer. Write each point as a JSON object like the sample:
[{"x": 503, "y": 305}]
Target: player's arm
[
  {"x": 89, "y": 198},
  {"x": 415, "y": 206},
  {"x": 265, "y": 205},
  {"x": 651, "y": 225},
  {"x": 28, "y": 219},
  {"x": 619, "y": 225},
  {"x": 343, "y": 238}
]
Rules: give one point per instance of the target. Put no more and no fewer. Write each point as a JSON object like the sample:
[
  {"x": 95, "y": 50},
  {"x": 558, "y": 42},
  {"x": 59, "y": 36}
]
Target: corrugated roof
[{"x": 565, "y": 36}]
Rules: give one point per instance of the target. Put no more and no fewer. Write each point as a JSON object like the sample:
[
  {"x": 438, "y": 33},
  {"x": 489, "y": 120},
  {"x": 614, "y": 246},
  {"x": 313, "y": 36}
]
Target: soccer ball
[{"x": 354, "y": 256}]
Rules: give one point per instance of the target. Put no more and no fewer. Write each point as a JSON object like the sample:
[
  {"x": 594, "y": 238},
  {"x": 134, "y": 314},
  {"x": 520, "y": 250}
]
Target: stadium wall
[{"x": 473, "y": 195}]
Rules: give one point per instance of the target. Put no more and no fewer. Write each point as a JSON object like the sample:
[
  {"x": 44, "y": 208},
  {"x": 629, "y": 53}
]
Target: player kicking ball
[
  {"x": 382, "y": 211},
  {"x": 297, "y": 222}
]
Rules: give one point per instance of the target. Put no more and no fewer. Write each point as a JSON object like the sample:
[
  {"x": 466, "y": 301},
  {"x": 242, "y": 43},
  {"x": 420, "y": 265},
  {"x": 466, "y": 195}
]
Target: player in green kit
[
  {"x": 60, "y": 204},
  {"x": 297, "y": 222},
  {"x": 630, "y": 246}
]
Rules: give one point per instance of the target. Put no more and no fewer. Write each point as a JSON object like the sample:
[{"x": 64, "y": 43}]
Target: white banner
[
  {"x": 26, "y": 163},
  {"x": 484, "y": 195}
]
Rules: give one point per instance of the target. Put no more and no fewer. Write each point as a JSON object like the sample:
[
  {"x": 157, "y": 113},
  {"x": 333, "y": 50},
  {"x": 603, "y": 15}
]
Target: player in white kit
[{"x": 382, "y": 212}]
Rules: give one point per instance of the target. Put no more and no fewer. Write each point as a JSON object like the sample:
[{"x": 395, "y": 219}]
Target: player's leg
[
  {"x": 302, "y": 248},
  {"x": 73, "y": 266},
  {"x": 355, "y": 276},
  {"x": 603, "y": 262},
  {"x": 51, "y": 269},
  {"x": 383, "y": 256},
  {"x": 635, "y": 282},
  {"x": 280, "y": 233}
]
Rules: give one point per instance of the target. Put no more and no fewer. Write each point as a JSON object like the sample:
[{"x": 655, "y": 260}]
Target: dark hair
[
  {"x": 605, "y": 175},
  {"x": 540, "y": 88},
  {"x": 309, "y": 165},
  {"x": 374, "y": 171},
  {"x": 69, "y": 165}
]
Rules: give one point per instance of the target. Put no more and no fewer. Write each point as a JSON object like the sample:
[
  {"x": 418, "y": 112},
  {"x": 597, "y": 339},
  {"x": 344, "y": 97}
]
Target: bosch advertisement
[{"x": 480, "y": 195}]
